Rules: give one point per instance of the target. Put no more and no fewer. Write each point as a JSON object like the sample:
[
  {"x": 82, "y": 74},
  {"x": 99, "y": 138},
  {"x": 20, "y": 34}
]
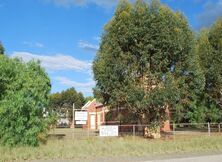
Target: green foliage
[
  {"x": 209, "y": 50},
  {"x": 24, "y": 89},
  {"x": 2, "y": 50},
  {"x": 146, "y": 61},
  {"x": 89, "y": 98},
  {"x": 61, "y": 103}
]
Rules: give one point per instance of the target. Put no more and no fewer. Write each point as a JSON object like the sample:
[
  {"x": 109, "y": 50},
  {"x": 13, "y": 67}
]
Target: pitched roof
[
  {"x": 98, "y": 104},
  {"x": 87, "y": 104}
]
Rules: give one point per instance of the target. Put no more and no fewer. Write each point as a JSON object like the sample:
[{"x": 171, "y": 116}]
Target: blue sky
[{"x": 65, "y": 34}]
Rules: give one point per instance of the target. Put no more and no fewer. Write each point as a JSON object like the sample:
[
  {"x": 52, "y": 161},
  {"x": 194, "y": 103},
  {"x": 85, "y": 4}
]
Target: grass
[{"x": 96, "y": 147}]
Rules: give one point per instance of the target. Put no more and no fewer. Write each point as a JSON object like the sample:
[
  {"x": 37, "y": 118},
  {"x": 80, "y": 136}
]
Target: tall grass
[{"x": 95, "y": 147}]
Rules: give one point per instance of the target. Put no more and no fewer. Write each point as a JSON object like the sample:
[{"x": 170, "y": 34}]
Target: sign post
[
  {"x": 73, "y": 115},
  {"x": 79, "y": 117},
  {"x": 73, "y": 119}
]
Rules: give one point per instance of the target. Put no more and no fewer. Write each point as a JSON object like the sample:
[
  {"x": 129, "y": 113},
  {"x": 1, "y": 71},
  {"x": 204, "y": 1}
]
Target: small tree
[{"x": 24, "y": 90}]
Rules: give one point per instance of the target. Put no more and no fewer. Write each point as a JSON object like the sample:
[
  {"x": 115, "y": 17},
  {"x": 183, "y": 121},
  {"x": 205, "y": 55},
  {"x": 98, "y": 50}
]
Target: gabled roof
[
  {"x": 96, "y": 104},
  {"x": 87, "y": 104}
]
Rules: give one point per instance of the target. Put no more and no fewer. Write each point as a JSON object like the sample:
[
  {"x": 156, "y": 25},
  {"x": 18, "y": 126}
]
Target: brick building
[{"x": 98, "y": 114}]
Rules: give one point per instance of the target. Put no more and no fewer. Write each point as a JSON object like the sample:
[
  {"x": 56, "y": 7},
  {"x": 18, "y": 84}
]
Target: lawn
[{"x": 89, "y": 149}]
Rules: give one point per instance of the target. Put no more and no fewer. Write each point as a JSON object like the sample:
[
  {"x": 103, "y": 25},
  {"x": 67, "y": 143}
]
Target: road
[
  {"x": 176, "y": 158},
  {"x": 208, "y": 158}
]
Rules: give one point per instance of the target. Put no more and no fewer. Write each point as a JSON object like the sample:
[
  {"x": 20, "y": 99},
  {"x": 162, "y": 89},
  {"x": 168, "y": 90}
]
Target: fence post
[
  {"x": 219, "y": 127},
  {"x": 88, "y": 129},
  {"x": 208, "y": 124},
  {"x": 88, "y": 125},
  {"x": 133, "y": 130},
  {"x": 173, "y": 130}
]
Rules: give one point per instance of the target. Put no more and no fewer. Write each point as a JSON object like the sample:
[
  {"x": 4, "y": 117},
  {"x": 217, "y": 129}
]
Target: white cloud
[
  {"x": 97, "y": 38},
  {"x": 33, "y": 44},
  {"x": 106, "y": 3},
  {"x": 88, "y": 46},
  {"x": 55, "y": 62},
  {"x": 40, "y": 45},
  {"x": 212, "y": 10},
  {"x": 83, "y": 87}
]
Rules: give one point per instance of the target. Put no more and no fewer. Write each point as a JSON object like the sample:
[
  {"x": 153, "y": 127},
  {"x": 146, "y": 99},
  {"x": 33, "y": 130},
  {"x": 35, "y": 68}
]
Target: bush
[{"x": 24, "y": 90}]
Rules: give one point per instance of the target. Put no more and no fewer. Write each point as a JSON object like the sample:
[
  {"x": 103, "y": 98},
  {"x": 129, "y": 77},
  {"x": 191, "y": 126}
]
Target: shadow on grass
[{"x": 56, "y": 136}]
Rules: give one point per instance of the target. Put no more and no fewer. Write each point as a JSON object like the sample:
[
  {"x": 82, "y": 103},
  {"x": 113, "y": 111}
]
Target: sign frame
[
  {"x": 109, "y": 131},
  {"x": 81, "y": 115}
]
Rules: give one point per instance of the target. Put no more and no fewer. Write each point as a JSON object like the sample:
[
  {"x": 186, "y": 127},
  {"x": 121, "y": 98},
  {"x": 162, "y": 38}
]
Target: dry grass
[{"x": 96, "y": 147}]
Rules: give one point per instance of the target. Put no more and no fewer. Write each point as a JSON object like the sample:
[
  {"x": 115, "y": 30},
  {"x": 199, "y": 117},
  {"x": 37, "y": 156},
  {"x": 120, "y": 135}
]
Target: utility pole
[
  {"x": 73, "y": 118},
  {"x": 73, "y": 115}
]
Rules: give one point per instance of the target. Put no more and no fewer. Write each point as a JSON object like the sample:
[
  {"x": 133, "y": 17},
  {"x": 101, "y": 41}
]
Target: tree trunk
[{"x": 152, "y": 132}]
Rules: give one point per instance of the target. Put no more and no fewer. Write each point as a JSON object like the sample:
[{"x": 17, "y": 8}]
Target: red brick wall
[
  {"x": 100, "y": 111},
  {"x": 114, "y": 113},
  {"x": 93, "y": 109},
  {"x": 166, "y": 125}
]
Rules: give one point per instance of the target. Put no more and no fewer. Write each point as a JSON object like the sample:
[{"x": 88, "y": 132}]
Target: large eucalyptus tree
[{"x": 146, "y": 61}]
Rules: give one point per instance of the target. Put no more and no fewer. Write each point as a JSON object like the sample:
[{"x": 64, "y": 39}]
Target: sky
[{"x": 65, "y": 34}]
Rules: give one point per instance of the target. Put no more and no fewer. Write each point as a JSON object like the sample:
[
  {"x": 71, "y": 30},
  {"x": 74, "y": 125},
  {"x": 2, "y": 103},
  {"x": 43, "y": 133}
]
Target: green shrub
[{"x": 24, "y": 90}]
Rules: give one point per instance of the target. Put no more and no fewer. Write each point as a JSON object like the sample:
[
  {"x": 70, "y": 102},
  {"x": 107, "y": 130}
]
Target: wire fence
[
  {"x": 196, "y": 128},
  {"x": 176, "y": 130}
]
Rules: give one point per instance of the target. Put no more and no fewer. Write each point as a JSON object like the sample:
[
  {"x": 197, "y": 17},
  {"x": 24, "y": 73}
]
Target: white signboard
[
  {"x": 80, "y": 122},
  {"x": 108, "y": 130},
  {"x": 80, "y": 115}
]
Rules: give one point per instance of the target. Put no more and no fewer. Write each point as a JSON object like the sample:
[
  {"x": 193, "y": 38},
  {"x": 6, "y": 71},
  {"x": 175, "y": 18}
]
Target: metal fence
[
  {"x": 70, "y": 133},
  {"x": 196, "y": 128},
  {"x": 176, "y": 130}
]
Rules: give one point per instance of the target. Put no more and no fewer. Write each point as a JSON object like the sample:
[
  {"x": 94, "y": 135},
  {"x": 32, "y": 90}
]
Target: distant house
[
  {"x": 63, "y": 122},
  {"x": 63, "y": 118}
]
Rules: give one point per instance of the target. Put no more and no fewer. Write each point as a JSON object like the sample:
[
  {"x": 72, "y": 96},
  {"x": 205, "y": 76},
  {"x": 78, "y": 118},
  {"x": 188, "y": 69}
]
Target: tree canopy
[
  {"x": 62, "y": 102},
  {"x": 146, "y": 61},
  {"x": 2, "y": 50},
  {"x": 24, "y": 90},
  {"x": 209, "y": 50}
]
